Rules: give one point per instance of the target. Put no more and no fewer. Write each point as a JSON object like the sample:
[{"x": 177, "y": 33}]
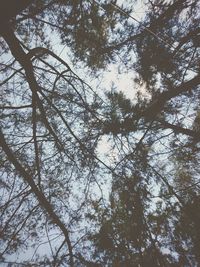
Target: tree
[{"x": 53, "y": 123}]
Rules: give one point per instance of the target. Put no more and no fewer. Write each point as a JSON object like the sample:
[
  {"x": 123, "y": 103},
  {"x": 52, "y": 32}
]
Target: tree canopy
[{"x": 66, "y": 200}]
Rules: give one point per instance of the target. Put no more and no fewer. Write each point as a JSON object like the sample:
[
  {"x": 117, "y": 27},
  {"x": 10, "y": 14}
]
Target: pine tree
[{"x": 53, "y": 175}]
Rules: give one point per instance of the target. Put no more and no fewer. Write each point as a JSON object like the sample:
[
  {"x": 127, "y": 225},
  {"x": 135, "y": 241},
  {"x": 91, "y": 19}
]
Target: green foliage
[{"x": 93, "y": 179}]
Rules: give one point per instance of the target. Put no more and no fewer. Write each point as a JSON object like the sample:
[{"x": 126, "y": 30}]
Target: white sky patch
[{"x": 124, "y": 82}]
